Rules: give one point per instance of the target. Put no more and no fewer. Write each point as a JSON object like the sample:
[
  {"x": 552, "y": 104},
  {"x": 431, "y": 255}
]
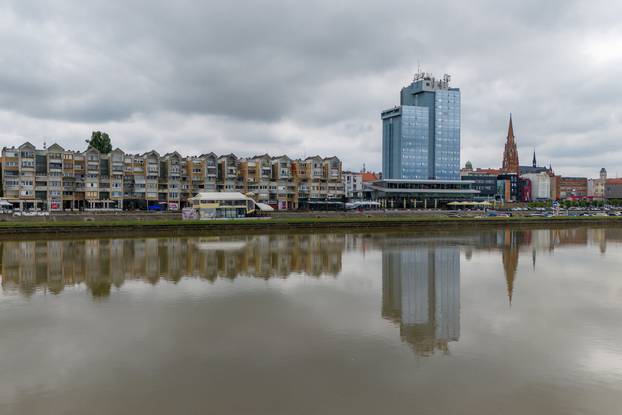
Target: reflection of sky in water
[{"x": 491, "y": 322}]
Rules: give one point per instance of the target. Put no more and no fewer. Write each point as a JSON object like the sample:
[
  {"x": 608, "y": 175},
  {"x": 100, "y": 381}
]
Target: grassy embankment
[{"x": 323, "y": 221}]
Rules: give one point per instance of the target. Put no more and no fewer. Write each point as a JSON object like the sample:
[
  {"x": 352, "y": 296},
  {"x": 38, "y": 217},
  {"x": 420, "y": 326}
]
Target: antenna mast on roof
[{"x": 419, "y": 74}]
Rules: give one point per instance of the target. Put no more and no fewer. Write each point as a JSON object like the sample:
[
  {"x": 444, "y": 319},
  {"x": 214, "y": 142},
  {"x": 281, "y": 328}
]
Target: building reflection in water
[
  {"x": 512, "y": 242},
  {"x": 421, "y": 274},
  {"x": 421, "y": 293},
  {"x": 103, "y": 263}
]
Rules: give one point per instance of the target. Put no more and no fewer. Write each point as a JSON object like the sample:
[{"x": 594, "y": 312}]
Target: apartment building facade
[
  {"x": 353, "y": 185},
  {"x": 54, "y": 178}
]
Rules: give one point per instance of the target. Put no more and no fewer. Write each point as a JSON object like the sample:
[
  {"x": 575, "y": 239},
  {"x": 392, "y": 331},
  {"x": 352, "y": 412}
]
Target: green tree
[{"x": 101, "y": 141}]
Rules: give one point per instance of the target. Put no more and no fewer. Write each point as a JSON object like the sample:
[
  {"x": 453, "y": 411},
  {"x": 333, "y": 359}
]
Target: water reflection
[
  {"x": 103, "y": 263},
  {"x": 412, "y": 260},
  {"x": 421, "y": 292}
]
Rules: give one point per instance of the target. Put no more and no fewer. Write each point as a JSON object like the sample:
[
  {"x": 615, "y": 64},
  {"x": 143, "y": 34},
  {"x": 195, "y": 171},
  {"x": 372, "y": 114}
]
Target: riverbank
[{"x": 127, "y": 227}]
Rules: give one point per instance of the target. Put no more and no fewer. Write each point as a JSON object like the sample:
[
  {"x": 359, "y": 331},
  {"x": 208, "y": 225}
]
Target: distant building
[
  {"x": 508, "y": 187},
  {"x": 468, "y": 167},
  {"x": 494, "y": 184},
  {"x": 369, "y": 177},
  {"x": 485, "y": 184},
  {"x": 573, "y": 187},
  {"x": 524, "y": 186},
  {"x": 540, "y": 185},
  {"x": 353, "y": 185},
  {"x": 555, "y": 185},
  {"x": 613, "y": 189},
  {"x": 596, "y": 187},
  {"x": 510, "y": 154},
  {"x": 510, "y": 182}
]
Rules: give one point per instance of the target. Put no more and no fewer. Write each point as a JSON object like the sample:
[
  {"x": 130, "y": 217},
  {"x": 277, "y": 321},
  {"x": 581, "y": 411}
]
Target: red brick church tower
[{"x": 510, "y": 155}]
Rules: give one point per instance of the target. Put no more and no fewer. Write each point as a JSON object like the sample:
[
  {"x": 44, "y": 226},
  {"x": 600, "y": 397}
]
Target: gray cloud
[{"x": 281, "y": 77}]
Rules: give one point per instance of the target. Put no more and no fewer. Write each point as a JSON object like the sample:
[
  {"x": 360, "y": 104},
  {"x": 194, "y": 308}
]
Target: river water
[{"x": 476, "y": 322}]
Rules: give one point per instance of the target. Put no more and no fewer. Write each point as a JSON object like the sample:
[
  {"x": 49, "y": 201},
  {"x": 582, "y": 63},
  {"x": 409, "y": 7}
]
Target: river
[{"x": 503, "y": 321}]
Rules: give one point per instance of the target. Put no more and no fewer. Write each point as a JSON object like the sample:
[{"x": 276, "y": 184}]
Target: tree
[{"x": 100, "y": 141}]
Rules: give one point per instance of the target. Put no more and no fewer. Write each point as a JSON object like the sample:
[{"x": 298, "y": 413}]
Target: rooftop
[{"x": 220, "y": 196}]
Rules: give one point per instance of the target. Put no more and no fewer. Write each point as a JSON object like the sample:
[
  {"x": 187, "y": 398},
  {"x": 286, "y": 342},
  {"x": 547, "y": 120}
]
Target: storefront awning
[{"x": 264, "y": 207}]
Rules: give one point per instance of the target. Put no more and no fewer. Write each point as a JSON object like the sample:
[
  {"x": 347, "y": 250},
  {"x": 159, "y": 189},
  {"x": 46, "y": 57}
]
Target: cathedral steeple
[
  {"x": 510, "y": 155},
  {"x": 533, "y": 163}
]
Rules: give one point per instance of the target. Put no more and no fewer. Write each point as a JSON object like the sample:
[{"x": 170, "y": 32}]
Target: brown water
[{"x": 491, "y": 322}]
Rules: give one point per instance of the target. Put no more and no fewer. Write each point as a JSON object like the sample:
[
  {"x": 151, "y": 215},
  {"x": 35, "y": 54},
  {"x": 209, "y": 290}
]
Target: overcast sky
[{"x": 312, "y": 77}]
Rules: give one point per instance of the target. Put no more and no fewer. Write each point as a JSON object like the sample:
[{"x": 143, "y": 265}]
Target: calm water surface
[{"x": 491, "y": 322}]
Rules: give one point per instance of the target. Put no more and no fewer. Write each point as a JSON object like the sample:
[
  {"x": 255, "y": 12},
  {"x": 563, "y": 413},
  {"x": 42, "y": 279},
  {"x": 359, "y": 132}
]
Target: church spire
[
  {"x": 510, "y": 154},
  {"x": 534, "y": 164},
  {"x": 511, "y": 128}
]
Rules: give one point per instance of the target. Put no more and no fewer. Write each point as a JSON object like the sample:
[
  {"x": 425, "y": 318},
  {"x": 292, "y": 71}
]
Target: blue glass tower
[{"x": 421, "y": 137}]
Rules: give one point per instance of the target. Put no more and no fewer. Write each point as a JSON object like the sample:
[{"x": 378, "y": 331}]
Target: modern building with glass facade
[
  {"x": 421, "y": 137},
  {"x": 421, "y": 147}
]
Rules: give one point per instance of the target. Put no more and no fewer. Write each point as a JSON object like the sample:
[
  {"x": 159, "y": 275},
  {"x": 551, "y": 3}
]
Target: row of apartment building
[{"x": 58, "y": 179}]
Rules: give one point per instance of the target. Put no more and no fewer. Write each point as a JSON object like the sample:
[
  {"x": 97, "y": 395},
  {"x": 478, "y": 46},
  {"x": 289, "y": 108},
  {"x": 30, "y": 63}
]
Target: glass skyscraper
[{"x": 421, "y": 137}]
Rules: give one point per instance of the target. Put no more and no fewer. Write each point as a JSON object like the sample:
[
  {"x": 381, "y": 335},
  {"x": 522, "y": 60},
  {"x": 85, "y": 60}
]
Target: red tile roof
[
  {"x": 487, "y": 171},
  {"x": 369, "y": 177}
]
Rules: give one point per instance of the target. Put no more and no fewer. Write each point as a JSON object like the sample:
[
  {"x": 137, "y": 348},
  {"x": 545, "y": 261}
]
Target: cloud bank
[{"x": 304, "y": 78}]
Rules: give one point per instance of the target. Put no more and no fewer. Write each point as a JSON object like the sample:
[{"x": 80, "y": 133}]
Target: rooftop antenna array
[{"x": 446, "y": 80}]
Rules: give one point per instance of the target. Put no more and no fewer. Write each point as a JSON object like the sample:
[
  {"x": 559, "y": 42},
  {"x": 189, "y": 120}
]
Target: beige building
[
  {"x": 596, "y": 187},
  {"x": 57, "y": 179}
]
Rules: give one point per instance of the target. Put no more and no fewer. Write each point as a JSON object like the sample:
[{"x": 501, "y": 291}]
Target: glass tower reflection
[{"x": 421, "y": 292}]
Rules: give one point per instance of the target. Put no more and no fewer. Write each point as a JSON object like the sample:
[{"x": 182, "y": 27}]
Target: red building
[
  {"x": 510, "y": 153},
  {"x": 525, "y": 190},
  {"x": 573, "y": 188}
]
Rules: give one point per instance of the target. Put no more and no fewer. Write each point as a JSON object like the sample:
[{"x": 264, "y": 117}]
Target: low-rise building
[
  {"x": 486, "y": 184},
  {"x": 596, "y": 187},
  {"x": 573, "y": 187},
  {"x": 508, "y": 187},
  {"x": 426, "y": 194},
  {"x": 353, "y": 185},
  {"x": 540, "y": 185},
  {"x": 218, "y": 205},
  {"x": 555, "y": 186},
  {"x": 613, "y": 189}
]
